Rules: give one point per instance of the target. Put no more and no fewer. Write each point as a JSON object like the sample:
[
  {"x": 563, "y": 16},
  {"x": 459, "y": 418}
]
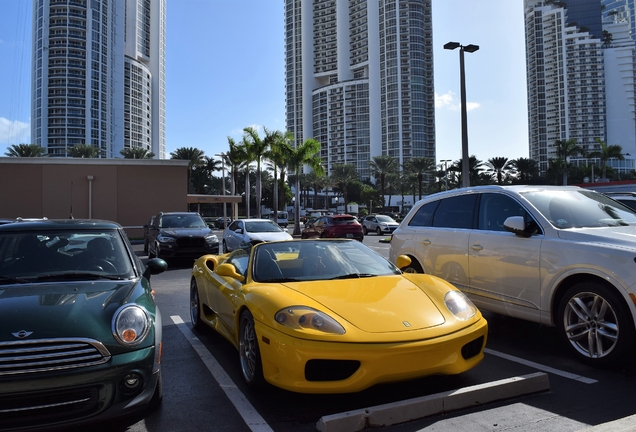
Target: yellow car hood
[{"x": 377, "y": 304}]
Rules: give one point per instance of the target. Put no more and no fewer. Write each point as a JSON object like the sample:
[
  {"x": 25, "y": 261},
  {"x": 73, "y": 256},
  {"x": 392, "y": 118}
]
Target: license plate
[{"x": 349, "y": 235}]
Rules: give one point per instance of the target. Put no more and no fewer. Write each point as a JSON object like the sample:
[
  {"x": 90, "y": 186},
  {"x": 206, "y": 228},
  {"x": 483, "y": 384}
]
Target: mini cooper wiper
[
  {"x": 4, "y": 278},
  {"x": 354, "y": 276},
  {"x": 78, "y": 275}
]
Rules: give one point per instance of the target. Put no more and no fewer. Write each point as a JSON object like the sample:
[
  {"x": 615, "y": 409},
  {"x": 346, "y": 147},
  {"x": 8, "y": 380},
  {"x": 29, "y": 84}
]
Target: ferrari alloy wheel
[
  {"x": 195, "y": 305},
  {"x": 596, "y": 323},
  {"x": 249, "y": 352}
]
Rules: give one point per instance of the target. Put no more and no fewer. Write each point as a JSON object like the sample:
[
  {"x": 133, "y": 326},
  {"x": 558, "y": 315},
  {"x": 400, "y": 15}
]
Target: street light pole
[
  {"x": 222, "y": 156},
  {"x": 462, "y": 78},
  {"x": 445, "y": 161}
]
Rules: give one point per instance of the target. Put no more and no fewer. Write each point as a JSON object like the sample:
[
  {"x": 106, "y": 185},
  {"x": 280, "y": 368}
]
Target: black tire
[
  {"x": 595, "y": 324},
  {"x": 146, "y": 246},
  {"x": 249, "y": 353},
  {"x": 151, "y": 254},
  {"x": 378, "y": 231},
  {"x": 225, "y": 249},
  {"x": 157, "y": 396},
  {"x": 365, "y": 231},
  {"x": 195, "y": 306},
  {"x": 414, "y": 267}
]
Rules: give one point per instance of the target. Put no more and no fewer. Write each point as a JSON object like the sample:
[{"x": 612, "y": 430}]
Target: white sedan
[{"x": 249, "y": 230}]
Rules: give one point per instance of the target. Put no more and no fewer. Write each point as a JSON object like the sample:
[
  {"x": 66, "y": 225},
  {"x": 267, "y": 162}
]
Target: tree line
[{"x": 264, "y": 169}]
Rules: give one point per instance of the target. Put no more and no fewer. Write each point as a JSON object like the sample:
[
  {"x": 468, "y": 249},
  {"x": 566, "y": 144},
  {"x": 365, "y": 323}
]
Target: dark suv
[{"x": 180, "y": 235}]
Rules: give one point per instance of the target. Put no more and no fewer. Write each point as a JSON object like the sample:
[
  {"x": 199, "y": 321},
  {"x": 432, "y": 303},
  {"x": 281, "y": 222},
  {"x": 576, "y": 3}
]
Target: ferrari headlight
[
  {"x": 131, "y": 325},
  {"x": 303, "y": 317},
  {"x": 459, "y": 305}
]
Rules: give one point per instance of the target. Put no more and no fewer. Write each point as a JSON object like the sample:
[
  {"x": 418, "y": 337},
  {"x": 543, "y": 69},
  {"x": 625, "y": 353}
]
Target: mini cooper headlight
[
  {"x": 131, "y": 325},
  {"x": 303, "y": 317},
  {"x": 459, "y": 305}
]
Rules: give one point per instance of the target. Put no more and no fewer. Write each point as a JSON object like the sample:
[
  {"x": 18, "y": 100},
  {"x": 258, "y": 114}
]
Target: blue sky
[{"x": 225, "y": 71}]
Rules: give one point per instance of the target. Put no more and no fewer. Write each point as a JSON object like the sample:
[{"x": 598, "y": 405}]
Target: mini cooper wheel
[
  {"x": 195, "y": 306},
  {"x": 595, "y": 323},
  {"x": 378, "y": 231},
  {"x": 248, "y": 351}
]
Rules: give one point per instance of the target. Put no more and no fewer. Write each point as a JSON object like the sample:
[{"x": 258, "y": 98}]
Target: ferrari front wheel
[
  {"x": 195, "y": 306},
  {"x": 248, "y": 351}
]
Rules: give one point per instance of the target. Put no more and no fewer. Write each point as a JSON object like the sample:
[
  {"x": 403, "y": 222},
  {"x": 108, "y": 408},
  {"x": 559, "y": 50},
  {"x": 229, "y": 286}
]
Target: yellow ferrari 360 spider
[{"x": 333, "y": 316}]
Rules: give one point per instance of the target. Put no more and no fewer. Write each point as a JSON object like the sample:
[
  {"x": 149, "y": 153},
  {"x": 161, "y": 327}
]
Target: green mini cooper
[{"x": 80, "y": 333}]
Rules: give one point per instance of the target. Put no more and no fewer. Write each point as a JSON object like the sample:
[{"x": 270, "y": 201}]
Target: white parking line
[
  {"x": 542, "y": 367},
  {"x": 242, "y": 405}
]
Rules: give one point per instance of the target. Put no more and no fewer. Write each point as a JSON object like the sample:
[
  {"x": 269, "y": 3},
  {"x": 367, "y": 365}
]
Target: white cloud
[
  {"x": 14, "y": 132},
  {"x": 449, "y": 101}
]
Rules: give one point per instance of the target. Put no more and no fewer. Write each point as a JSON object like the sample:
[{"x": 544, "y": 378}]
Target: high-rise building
[
  {"x": 359, "y": 79},
  {"x": 580, "y": 77},
  {"x": 99, "y": 75}
]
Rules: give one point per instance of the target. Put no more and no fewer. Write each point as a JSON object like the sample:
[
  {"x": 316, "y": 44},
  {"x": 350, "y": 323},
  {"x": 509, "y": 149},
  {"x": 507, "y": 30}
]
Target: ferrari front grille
[{"x": 45, "y": 355}]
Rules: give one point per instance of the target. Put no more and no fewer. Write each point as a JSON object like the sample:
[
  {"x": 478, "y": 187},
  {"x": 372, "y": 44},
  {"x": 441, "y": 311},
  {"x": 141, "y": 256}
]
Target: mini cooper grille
[{"x": 50, "y": 354}]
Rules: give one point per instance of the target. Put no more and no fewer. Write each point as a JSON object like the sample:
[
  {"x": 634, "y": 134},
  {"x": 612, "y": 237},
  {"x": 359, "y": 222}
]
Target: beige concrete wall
[{"x": 126, "y": 191}]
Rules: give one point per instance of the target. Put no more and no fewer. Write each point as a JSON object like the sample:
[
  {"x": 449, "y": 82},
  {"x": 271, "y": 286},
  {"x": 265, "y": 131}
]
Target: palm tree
[
  {"x": 26, "y": 150},
  {"x": 475, "y": 171},
  {"x": 136, "y": 153},
  {"x": 343, "y": 174},
  {"x": 306, "y": 153},
  {"x": 420, "y": 166},
  {"x": 246, "y": 158},
  {"x": 327, "y": 182},
  {"x": 499, "y": 166},
  {"x": 380, "y": 167},
  {"x": 258, "y": 148},
  {"x": 193, "y": 155},
  {"x": 565, "y": 149},
  {"x": 607, "y": 152},
  {"x": 526, "y": 168},
  {"x": 279, "y": 149},
  {"x": 88, "y": 151}
]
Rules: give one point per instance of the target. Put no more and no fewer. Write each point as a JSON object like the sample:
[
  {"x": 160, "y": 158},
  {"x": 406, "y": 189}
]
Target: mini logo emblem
[
  {"x": 406, "y": 324},
  {"x": 22, "y": 334}
]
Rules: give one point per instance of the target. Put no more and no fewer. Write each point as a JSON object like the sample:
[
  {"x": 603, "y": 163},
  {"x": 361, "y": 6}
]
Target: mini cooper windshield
[
  {"x": 317, "y": 260},
  {"x": 50, "y": 255}
]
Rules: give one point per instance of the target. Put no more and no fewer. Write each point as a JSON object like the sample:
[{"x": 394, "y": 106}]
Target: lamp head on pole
[
  {"x": 471, "y": 48},
  {"x": 452, "y": 45}
]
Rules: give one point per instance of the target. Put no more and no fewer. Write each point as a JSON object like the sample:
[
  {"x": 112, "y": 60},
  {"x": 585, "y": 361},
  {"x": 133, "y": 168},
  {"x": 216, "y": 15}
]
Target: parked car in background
[
  {"x": 210, "y": 221},
  {"x": 627, "y": 198},
  {"x": 304, "y": 316},
  {"x": 81, "y": 331},
  {"x": 379, "y": 224},
  {"x": 561, "y": 256},
  {"x": 220, "y": 224},
  {"x": 282, "y": 218},
  {"x": 180, "y": 235},
  {"x": 336, "y": 226},
  {"x": 248, "y": 230}
]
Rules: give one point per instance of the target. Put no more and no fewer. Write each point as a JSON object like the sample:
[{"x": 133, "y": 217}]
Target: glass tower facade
[
  {"x": 359, "y": 79},
  {"x": 98, "y": 73}
]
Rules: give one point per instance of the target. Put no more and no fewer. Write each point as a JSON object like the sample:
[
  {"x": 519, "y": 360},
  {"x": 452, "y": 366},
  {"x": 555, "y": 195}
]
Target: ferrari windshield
[
  {"x": 304, "y": 260},
  {"x": 47, "y": 255},
  {"x": 572, "y": 208}
]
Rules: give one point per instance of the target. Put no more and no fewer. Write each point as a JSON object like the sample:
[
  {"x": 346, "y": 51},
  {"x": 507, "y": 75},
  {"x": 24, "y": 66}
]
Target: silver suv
[
  {"x": 379, "y": 224},
  {"x": 561, "y": 256}
]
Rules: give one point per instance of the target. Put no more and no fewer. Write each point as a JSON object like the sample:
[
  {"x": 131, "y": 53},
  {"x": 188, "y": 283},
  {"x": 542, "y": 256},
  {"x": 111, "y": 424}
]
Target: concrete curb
[
  {"x": 625, "y": 424},
  {"x": 412, "y": 409}
]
